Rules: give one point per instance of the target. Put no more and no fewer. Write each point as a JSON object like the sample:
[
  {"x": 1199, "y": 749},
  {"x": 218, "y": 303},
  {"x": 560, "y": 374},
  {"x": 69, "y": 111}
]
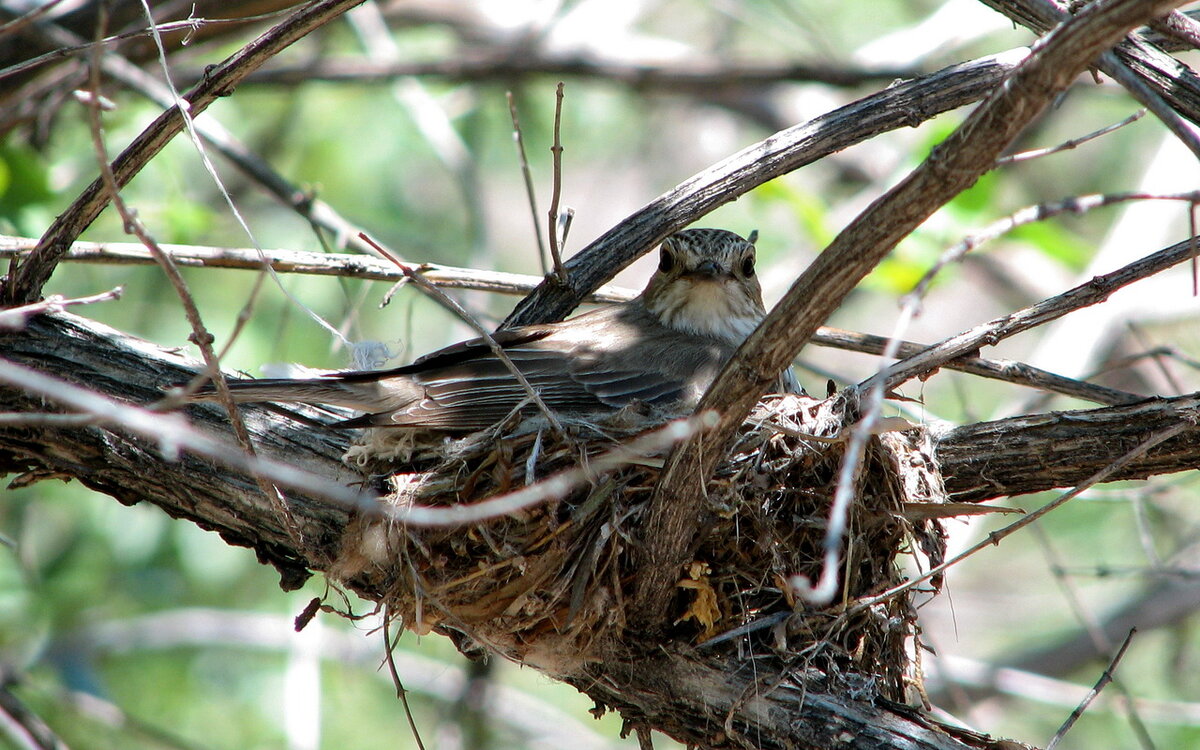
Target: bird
[{"x": 662, "y": 348}]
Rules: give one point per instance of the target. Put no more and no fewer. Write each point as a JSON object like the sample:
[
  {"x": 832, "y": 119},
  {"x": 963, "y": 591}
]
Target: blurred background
[{"x": 124, "y": 629}]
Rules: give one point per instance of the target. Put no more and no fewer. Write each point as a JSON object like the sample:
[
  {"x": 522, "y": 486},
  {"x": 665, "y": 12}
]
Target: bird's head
[{"x": 706, "y": 284}]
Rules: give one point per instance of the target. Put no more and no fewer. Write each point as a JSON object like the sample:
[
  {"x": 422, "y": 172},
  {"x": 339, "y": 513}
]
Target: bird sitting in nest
[{"x": 663, "y": 348}]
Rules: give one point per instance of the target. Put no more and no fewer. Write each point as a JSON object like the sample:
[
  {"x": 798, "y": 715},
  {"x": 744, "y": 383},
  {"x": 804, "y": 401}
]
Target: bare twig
[
  {"x": 530, "y": 193},
  {"x": 345, "y": 265},
  {"x": 1092, "y": 292},
  {"x": 556, "y": 188},
  {"x": 1105, "y": 678},
  {"x": 507, "y": 64},
  {"x": 388, "y": 651},
  {"x": 16, "y": 317},
  {"x": 1037, "y": 153}
]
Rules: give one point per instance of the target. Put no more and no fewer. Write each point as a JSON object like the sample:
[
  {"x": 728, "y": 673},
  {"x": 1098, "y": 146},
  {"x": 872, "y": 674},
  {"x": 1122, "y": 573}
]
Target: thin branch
[
  {"x": 25, "y": 282},
  {"x": 530, "y": 193},
  {"x": 1037, "y": 153},
  {"x": 902, "y": 105},
  {"x": 1092, "y": 292},
  {"x": 1187, "y": 421},
  {"x": 556, "y": 188},
  {"x": 1006, "y": 370},
  {"x": 1105, "y": 678},
  {"x": 389, "y": 648},
  {"x": 344, "y": 265},
  {"x": 16, "y": 317},
  {"x": 952, "y": 167},
  {"x": 507, "y": 64}
]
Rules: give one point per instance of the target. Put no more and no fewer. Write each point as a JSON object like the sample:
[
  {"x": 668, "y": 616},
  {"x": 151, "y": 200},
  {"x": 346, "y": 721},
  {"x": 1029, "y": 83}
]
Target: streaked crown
[{"x": 706, "y": 285}]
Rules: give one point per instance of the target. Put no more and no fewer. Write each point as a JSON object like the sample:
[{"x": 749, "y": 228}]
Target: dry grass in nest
[{"x": 548, "y": 585}]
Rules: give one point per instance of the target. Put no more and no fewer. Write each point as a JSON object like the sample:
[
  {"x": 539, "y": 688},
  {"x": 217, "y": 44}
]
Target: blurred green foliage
[{"x": 82, "y": 576}]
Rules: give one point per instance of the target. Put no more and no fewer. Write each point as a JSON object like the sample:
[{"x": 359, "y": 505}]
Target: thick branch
[
  {"x": 903, "y": 105},
  {"x": 952, "y": 167},
  {"x": 981, "y": 461}
]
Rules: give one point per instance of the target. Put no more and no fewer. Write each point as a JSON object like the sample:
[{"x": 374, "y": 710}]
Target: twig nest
[{"x": 548, "y": 584}]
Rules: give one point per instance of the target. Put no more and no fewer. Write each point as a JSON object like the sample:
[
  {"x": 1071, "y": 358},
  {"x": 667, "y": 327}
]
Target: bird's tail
[{"x": 366, "y": 397}]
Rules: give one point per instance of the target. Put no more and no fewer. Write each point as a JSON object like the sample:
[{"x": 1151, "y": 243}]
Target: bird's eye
[
  {"x": 748, "y": 266},
  {"x": 666, "y": 261}
]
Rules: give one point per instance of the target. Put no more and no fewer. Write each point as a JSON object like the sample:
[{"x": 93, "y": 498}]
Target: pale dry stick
[
  {"x": 956, "y": 163},
  {"x": 1105, "y": 678},
  {"x": 1038, "y": 153},
  {"x": 826, "y": 587},
  {"x": 995, "y": 537},
  {"x": 200, "y": 335},
  {"x": 1091, "y": 625},
  {"x": 556, "y": 188},
  {"x": 369, "y": 267},
  {"x": 45, "y": 420},
  {"x": 1089, "y": 293},
  {"x": 1005, "y": 370},
  {"x": 348, "y": 265},
  {"x": 16, "y": 317},
  {"x": 172, "y": 433},
  {"x": 25, "y": 282},
  {"x": 530, "y": 193},
  {"x": 557, "y": 485},
  {"x": 401, "y": 693},
  {"x": 497, "y": 350}
]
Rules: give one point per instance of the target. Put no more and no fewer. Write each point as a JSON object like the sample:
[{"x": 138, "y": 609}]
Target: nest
[{"x": 549, "y": 585}]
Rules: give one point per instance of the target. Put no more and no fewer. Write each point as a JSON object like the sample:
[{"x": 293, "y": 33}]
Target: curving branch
[
  {"x": 952, "y": 167},
  {"x": 673, "y": 688}
]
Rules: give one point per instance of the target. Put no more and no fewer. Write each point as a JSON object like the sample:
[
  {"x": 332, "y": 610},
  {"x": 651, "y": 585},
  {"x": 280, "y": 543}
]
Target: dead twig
[
  {"x": 15, "y": 317},
  {"x": 530, "y": 193},
  {"x": 1105, "y": 678},
  {"x": 556, "y": 189}
]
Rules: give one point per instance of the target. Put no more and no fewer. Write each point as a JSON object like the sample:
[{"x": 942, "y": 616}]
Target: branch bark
[
  {"x": 686, "y": 693},
  {"x": 953, "y": 166}
]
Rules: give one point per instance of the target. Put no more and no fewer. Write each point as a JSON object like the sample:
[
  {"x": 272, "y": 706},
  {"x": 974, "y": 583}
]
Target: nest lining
[{"x": 549, "y": 585}]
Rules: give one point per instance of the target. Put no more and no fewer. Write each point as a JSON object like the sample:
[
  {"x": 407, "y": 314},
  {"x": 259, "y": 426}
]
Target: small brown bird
[{"x": 663, "y": 348}]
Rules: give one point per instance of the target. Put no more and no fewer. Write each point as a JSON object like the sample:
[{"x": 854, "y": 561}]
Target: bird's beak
[{"x": 709, "y": 269}]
